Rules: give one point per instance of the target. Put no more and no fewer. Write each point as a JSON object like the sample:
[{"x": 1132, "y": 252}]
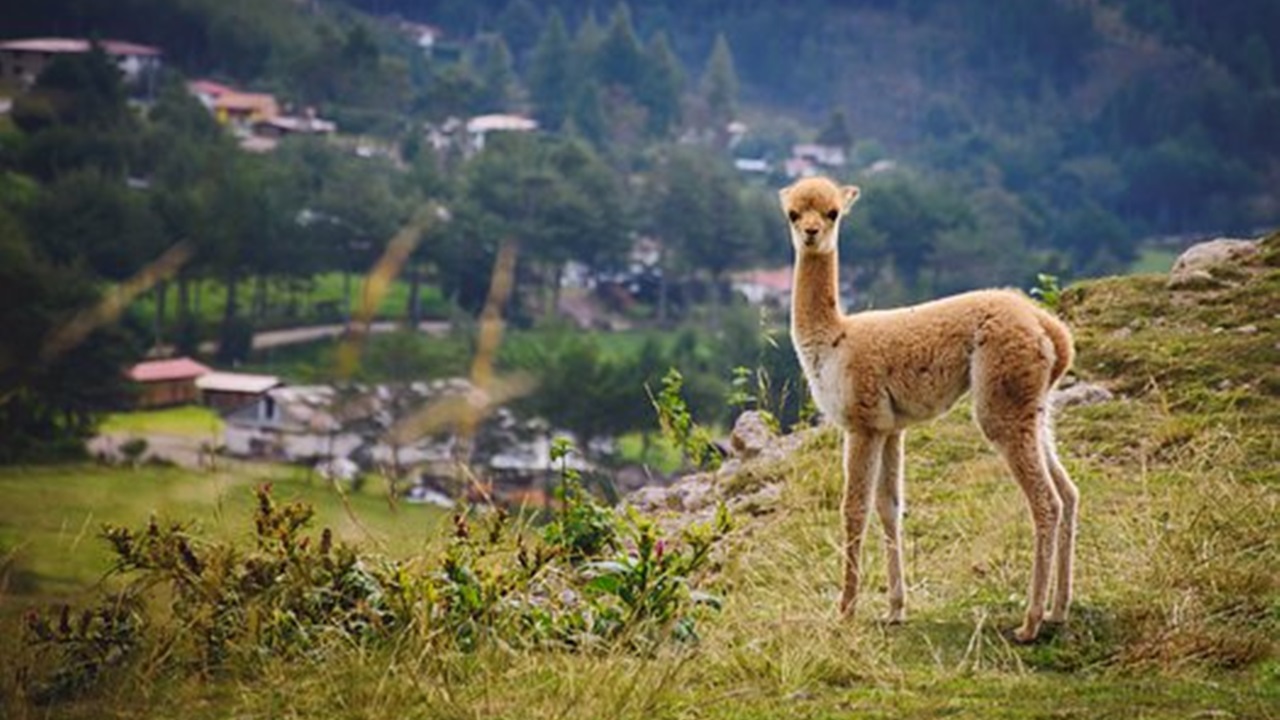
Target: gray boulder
[{"x": 1212, "y": 264}]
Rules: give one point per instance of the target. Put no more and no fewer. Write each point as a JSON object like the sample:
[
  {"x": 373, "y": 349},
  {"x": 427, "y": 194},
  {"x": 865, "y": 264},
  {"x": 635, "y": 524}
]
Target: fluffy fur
[{"x": 876, "y": 373}]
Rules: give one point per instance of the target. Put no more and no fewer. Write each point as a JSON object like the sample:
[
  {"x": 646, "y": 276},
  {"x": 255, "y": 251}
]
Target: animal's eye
[
  {"x": 832, "y": 215},
  {"x": 793, "y": 215}
]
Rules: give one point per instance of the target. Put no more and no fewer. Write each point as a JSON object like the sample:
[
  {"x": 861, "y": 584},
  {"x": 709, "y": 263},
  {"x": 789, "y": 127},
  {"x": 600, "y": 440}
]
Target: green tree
[
  {"x": 521, "y": 26},
  {"x": 76, "y": 117},
  {"x": 496, "y": 75},
  {"x": 554, "y": 197},
  {"x": 87, "y": 218},
  {"x": 554, "y": 77},
  {"x": 836, "y": 132},
  {"x": 620, "y": 60},
  {"x": 662, "y": 87},
  {"x": 699, "y": 215},
  {"x": 51, "y": 396},
  {"x": 720, "y": 87}
]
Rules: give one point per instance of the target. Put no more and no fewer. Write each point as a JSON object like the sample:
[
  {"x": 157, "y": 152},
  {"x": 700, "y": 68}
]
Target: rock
[
  {"x": 687, "y": 495},
  {"x": 653, "y": 498},
  {"x": 1208, "y": 264},
  {"x": 1247, "y": 330},
  {"x": 752, "y": 434},
  {"x": 695, "y": 492},
  {"x": 1081, "y": 393},
  {"x": 760, "y": 502}
]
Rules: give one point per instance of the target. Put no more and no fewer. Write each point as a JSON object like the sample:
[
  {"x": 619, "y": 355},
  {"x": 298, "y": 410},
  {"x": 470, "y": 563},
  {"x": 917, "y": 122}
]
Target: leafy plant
[
  {"x": 1047, "y": 291},
  {"x": 591, "y": 578},
  {"x": 751, "y": 390},
  {"x": 583, "y": 528},
  {"x": 679, "y": 427}
]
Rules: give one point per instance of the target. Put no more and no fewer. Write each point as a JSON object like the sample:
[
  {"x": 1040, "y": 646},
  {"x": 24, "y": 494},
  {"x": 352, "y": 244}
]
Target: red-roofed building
[
  {"x": 167, "y": 382},
  {"x": 22, "y": 61}
]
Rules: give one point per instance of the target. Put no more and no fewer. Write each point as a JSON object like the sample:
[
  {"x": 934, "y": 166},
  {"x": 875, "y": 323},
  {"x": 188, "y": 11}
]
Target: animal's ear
[
  {"x": 850, "y": 194},
  {"x": 783, "y": 194}
]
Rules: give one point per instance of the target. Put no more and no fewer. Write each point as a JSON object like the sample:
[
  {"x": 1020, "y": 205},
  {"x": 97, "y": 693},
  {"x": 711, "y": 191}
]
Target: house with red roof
[{"x": 167, "y": 382}]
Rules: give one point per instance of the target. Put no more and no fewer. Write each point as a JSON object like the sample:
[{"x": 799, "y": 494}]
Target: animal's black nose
[{"x": 811, "y": 232}]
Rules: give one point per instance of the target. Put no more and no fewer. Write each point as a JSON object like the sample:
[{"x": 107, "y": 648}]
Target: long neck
[{"x": 815, "y": 293}]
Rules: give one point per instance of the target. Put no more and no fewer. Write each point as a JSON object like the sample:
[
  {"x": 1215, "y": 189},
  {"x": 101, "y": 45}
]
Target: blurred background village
[{"x": 278, "y": 225}]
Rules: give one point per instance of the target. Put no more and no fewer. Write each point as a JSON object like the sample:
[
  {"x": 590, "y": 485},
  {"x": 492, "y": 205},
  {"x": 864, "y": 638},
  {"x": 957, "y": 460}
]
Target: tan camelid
[{"x": 875, "y": 373}]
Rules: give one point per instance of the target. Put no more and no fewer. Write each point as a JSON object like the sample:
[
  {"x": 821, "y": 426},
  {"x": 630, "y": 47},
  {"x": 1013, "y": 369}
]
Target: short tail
[{"x": 1063, "y": 346}]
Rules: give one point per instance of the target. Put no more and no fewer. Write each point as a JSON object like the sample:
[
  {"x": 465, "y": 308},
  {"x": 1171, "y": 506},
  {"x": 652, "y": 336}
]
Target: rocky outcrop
[
  {"x": 756, "y": 451},
  {"x": 1213, "y": 264}
]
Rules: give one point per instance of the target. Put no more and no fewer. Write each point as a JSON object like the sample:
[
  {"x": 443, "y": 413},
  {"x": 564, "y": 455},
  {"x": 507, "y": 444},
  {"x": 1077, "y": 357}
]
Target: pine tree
[
  {"x": 663, "y": 86},
  {"x": 520, "y": 25},
  {"x": 720, "y": 87},
  {"x": 588, "y": 113},
  {"x": 620, "y": 59},
  {"x": 554, "y": 80},
  {"x": 588, "y": 40},
  {"x": 836, "y": 132},
  {"x": 497, "y": 75}
]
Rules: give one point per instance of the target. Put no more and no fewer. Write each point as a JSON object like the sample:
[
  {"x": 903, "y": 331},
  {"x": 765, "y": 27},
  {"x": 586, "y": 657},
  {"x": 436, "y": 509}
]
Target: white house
[
  {"x": 480, "y": 126},
  {"x": 290, "y": 423},
  {"x": 22, "y": 61}
]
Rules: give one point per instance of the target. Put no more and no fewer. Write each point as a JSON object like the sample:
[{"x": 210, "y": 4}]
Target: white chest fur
[{"x": 827, "y": 384}]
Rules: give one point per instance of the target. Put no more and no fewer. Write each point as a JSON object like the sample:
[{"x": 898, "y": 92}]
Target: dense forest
[{"x": 992, "y": 143}]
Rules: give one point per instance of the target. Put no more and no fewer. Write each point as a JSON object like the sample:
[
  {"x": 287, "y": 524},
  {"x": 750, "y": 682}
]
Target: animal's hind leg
[
  {"x": 1066, "y": 540},
  {"x": 1010, "y": 377},
  {"x": 1024, "y": 455},
  {"x": 890, "y": 507}
]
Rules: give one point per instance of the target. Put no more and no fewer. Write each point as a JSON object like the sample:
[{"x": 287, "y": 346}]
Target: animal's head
[{"x": 813, "y": 207}]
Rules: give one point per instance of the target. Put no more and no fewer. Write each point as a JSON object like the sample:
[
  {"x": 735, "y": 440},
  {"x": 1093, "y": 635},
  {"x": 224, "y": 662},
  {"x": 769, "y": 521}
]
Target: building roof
[
  {"x": 237, "y": 382},
  {"x": 78, "y": 45},
  {"x": 291, "y": 124},
  {"x": 509, "y": 123},
  {"x": 210, "y": 88},
  {"x": 236, "y": 101},
  {"x": 183, "y": 368},
  {"x": 776, "y": 280}
]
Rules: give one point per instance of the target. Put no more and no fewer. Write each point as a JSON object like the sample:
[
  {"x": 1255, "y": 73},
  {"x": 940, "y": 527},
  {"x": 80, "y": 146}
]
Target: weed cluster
[
  {"x": 591, "y": 579},
  {"x": 679, "y": 427}
]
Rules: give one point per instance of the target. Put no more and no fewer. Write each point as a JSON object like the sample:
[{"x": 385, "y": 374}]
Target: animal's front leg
[{"x": 862, "y": 452}]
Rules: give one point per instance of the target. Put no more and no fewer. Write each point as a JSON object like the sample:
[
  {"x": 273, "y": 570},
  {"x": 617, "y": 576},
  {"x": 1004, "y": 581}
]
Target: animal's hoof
[
  {"x": 847, "y": 608},
  {"x": 896, "y": 617},
  {"x": 1021, "y": 636}
]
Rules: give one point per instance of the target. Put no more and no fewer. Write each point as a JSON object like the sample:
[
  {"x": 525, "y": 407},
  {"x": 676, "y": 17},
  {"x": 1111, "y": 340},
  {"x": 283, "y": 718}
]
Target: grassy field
[
  {"x": 187, "y": 421},
  {"x": 318, "y": 300},
  {"x": 394, "y": 356},
  {"x": 1177, "y": 611},
  {"x": 51, "y": 518}
]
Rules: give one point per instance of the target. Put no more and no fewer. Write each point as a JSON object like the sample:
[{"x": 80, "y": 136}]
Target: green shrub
[{"x": 593, "y": 578}]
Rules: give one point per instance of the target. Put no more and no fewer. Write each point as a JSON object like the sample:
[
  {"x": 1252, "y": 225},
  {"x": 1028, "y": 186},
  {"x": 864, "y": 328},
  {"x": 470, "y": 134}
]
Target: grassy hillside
[{"x": 1178, "y": 601}]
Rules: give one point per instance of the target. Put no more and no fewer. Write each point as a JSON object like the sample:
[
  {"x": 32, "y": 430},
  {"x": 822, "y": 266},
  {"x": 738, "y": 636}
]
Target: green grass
[
  {"x": 660, "y": 456},
  {"x": 1177, "y": 611},
  {"x": 1153, "y": 260},
  {"x": 51, "y": 517},
  {"x": 396, "y": 356},
  {"x": 316, "y": 300},
  {"x": 191, "y": 421}
]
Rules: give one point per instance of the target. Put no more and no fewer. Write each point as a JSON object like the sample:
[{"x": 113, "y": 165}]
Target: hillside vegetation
[{"x": 1178, "y": 602}]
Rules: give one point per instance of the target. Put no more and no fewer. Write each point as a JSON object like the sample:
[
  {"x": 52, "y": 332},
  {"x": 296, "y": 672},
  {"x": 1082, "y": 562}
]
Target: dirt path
[{"x": 300, "y": 335}]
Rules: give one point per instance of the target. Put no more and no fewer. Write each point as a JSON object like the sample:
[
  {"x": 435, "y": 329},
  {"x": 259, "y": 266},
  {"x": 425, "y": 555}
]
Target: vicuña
[{"x": 875, "y": 373}]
